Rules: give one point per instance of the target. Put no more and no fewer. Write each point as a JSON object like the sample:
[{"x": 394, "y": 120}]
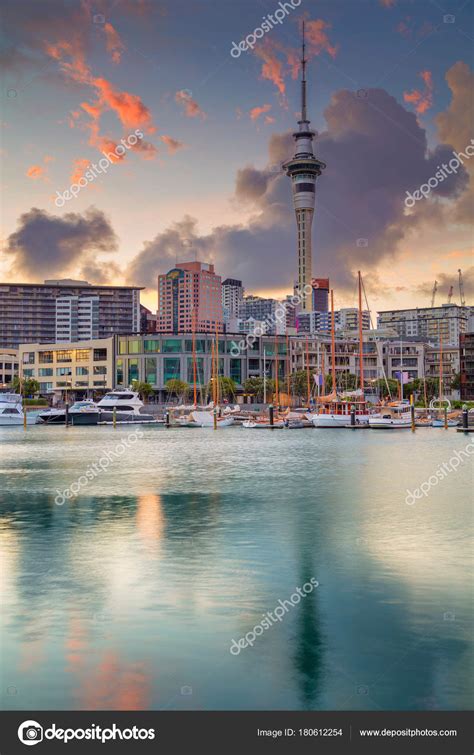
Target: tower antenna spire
[{"x": 303, "y": 78}]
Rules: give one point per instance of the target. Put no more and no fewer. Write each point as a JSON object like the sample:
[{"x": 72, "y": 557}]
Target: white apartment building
[
  {"x": 77, "y": 318},
  {"x": 447, "y": 321}
]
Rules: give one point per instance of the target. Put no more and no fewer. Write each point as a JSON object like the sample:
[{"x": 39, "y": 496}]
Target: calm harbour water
[{"x": 129, "y": 595}]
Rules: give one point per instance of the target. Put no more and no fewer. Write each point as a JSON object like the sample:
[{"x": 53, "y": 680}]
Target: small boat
[
  {"x": 262, "y": 424},
  {"x": 337, "y": 412},
  {"x": 124, "y": 405},
  {"x": 293, "y": 424},
  {"x": 11, "y": 411},
  {"x": 440, "y": 423},
  {"x": 206, "y": 419},
  {"x": 396, "y": 415}
]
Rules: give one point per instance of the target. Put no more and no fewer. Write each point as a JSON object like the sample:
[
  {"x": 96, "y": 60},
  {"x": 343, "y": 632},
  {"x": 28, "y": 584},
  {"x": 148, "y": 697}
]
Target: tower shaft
[{"x": 303, "y": 169}]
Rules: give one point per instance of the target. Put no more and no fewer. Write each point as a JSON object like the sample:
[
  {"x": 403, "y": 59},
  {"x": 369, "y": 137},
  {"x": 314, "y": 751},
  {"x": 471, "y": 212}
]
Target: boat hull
[
  {"x": 389, "y": 424},
  {"x": 84, "y": 418},
  {"x": 18, "y": 421},
  {"x": 106, "y": 415},
  {"x": 338, "y": 420}
]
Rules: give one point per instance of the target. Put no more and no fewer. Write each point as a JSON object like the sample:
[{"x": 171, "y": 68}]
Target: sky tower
[{"x": 303, "y": 170}]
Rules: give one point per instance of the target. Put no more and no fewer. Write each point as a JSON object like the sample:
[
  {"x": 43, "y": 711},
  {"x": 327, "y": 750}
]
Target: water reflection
[{"x": 133, "y": 591}]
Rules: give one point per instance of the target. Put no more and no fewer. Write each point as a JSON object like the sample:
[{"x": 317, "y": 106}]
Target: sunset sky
[{"x": 390, "y": 95}]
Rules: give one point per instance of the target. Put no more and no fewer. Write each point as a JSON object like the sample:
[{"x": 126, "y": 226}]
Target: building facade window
[
  {"x": 171, "y": 368},
  {"x": 82, "y": 355},
  {"x": 119, "y": 372},
  {"x": 100, "y": 355},
  {"x": 150, "y": 371},
  {"x": 133, "y": 346},
  {"x": 133, "y": 370},
  {"x": 172, "y": 346},
  {"x": 64, "y": 356},
  {"x": 151, "y": 345},
  {"x": 236, "y": 370},
  {"x": 45, "y": 372}
]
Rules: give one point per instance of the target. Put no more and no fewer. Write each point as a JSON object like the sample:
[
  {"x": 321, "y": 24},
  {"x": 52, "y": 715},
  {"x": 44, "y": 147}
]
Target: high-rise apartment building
[
  {"x": 77, "y": 318},
  {"x": 448, "y": 322},
  {"x": 320, "y": 294},
  {"x": 29, "y": 312},
  {"x": 190, "y": 298},
  {"x": 232, "y": 295}
]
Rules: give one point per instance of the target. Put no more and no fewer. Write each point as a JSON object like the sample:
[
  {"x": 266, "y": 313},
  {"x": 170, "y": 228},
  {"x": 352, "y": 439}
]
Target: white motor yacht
[
  {"x": 11, "y": 411},
  {"x": 125, "y": 405}
]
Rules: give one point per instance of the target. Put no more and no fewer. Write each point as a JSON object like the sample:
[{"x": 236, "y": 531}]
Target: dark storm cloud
[
  {"x": 54, "y": 245},
  {"x": 375, "y": 152}
]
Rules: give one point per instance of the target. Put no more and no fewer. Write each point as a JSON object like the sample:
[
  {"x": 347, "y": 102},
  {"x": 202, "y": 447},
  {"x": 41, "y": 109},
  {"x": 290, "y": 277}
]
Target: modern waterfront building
[
  {"x": 83, "y": 368},
  {"x": 190, "y": 298},
  {"x": 303, "y": 169},
  {"x": 157, "y": 359},
  {"x": 316, "y": 351},
  {"x": 232, "y": 295},
  {"x": 8, "y": 367},
  {"x": 28, "y": 312},
  {"x": 466, "y": 348},
  {"x": 448, "y": 321},
  {"x": 320, "y": 298}
]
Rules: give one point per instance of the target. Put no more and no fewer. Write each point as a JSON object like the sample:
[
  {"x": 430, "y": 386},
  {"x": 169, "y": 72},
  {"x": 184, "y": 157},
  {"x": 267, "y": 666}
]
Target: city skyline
[{"x": 104, "y": 72}]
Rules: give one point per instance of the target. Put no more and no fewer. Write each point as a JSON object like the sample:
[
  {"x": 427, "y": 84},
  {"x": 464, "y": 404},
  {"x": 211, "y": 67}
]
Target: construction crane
[
  {"x": 450, "y": 295},
  {"x": 461, "y": 289},
  {"x": 433, "y": 295}
]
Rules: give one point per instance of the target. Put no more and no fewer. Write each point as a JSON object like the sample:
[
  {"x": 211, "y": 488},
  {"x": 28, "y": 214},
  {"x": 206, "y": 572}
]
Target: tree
[
  {"x": 144, "y": 390},
  {"x": 227, "y": 387},
  {"x": 299, "y": 383},
  {"x": 456, "y": 382},
  {"x": 381, "y": 386},
  {"x": 255, "y": 387},
  {"x": 418, "y": 386},
  {"x": 27, "y": 386},
  {"x": 177, "y": 387}
]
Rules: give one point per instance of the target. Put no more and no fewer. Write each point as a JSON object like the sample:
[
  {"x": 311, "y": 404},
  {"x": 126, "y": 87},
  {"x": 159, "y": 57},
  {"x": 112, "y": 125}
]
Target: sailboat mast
[
  {"x": 217, "y": 364},
  {"x": 276, "y": 370},
  {"x": 333, "y": 343},
  {"x": 308, "y": 385},
  {"x": 264, "y": 376},
  {"x": 440, "y": 365},
  {"x": 193, "y": 320},
  {"x": 288, "y": 368},
  {"x": 361, "y": 339}
]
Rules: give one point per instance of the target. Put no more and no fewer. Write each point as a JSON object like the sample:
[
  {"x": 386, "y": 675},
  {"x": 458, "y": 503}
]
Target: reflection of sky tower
[{"x": 303, "y": 169}]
